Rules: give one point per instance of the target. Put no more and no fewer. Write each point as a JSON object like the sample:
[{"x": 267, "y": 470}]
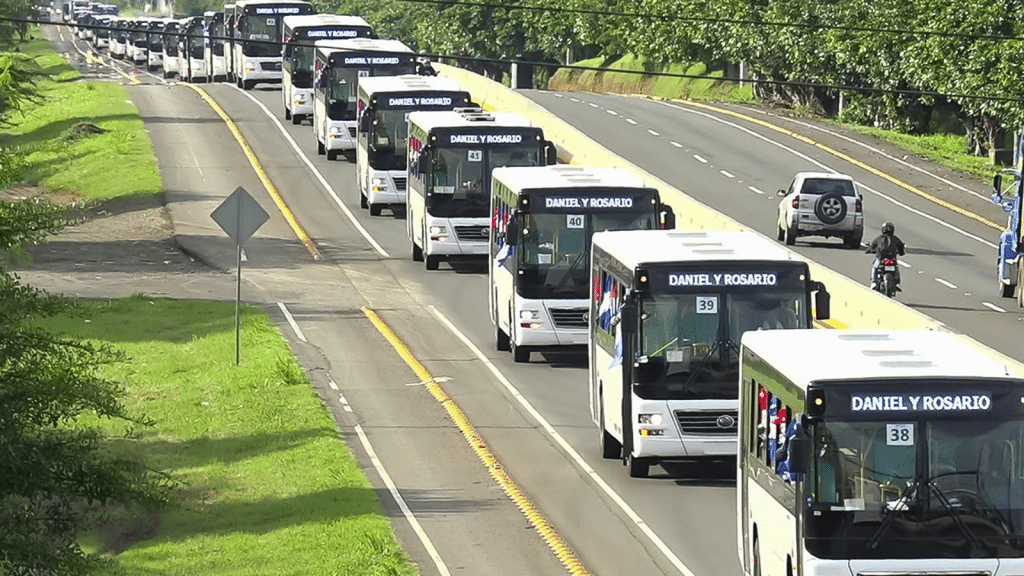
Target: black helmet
[{"x": 888, "y": 228}]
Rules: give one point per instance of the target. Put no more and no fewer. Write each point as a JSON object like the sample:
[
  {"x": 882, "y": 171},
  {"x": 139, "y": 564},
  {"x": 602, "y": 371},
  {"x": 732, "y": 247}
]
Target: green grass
[
  {"x": 269, "y": 488},
  {"x": 947, "y": 149},
  {"x": 659, "y": 86},
  {"x": 57, "y": 159}
]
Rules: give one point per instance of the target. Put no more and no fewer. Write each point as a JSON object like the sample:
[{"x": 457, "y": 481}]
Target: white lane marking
[
  {"x": 946, "y": 283},
  {"x": 424, "y": 539},
  {"x": 323, "y": 182},
  {"x": 291, "y": 321},
  {"x": 557, "y": 95},
  {"x": 726, "y": 174},
  {"x": 564, "y": 445},
  {"x": 652, "y": 132},
  {"x": 341, "y": 397},
  {"x": 631, "y": 121},
  {"x": 904, "y": 264},
  {"x": 992, "y": 306},
  {"x": 612, "y": 112},
  {"x": 593, "y": 105},
  {"x": 830, "y": 169},
  {"x": 700, "y": 159},
  {"x": 676, "y": 144},
  {"x": 574, "y": 99},
  {"x": 906, "y": 164},
  {"x": 755, "y": 190},
  {"x": 332, "y": 384}
]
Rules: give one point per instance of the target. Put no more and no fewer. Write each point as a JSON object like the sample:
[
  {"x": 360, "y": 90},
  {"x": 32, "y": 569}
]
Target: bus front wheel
[
  {"x": 501, "y": 340},
  {"x": 611, "y": 448},
  {"x": 520, "y": 354},
  {"x": 757, "y": 558}
]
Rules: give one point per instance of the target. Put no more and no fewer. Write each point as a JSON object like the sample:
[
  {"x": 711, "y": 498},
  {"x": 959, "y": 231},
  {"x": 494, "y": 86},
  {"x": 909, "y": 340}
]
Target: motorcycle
[{"x": 886, "y": 278}]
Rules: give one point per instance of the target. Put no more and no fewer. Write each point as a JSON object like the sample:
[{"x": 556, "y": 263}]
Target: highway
[{"x": 535, "y": 417}]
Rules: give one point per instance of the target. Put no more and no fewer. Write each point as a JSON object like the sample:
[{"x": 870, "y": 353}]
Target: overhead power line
[
  {"x": 826, "y": 87},
  {"x": 708, "y": 20}
]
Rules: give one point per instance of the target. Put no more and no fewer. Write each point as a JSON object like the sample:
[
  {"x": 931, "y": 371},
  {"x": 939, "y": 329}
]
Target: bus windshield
[
  {"x": 302, "y": 66},
  {"x": 217, "y": 33},
  {"x": 917, "y": 489},
  {"x": 387, "y": 140},
  {"x": 554, "y": 249},
  {"x": 459, "y": 180},
  {"x": 344, "y": 82},
  {"x": 688, "y": 343},
  {"x": 264, "y": 27},
  {"x": 156, "y": 38}
]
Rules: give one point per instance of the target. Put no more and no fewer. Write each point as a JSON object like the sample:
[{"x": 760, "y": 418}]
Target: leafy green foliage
[{"x": 57, "y": 476}]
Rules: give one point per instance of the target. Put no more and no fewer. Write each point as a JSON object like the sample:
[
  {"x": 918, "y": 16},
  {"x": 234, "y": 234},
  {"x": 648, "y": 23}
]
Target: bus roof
[
  {"x": 476, "y": 118},
  {"x": 519, "y": 179},
  {"x": 244, "y": 3},
  {"x": 805, "y": 356},
  {"x": 294, "y": 21},
  {"x": 408, "y": 83},
  {"x": 638, "y": 247},
  {"x": 326, "y": 47}
]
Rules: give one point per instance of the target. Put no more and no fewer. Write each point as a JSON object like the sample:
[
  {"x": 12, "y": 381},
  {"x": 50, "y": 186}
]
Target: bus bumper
[
  {"x": 457, "y": 238},
  {"x": 666, "y": 430},
  {"x": 386, "y": 188},
  {"x": 219, "y": 69}
]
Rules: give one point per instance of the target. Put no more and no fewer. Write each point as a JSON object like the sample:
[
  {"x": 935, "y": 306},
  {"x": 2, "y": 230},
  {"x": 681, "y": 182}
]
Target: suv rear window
[{"x": 824, "y": 186}]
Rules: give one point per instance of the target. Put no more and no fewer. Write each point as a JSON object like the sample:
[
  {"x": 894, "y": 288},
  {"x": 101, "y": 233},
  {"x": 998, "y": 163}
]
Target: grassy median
[
  {"x": 83, "y": 137},
  {"x": 267, "y": 487}
]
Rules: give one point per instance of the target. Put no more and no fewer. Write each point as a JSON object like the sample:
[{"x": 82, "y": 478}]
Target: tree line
[{"x": 900, "y": 62}]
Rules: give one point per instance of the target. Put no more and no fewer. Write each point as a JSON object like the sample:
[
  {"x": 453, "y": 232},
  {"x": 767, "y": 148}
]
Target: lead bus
[
  {"x": 667, "y": 312},
  {"x": 337, "y": 69},
  {"x": 451, "y": 156},
  {"x": 300, "y": 32},
  {"x": 887, "y": 452},
  {"x": 384, "y": 104},
  {"x": 542, "y": 220},
  {"x": 256, "y": 42}
]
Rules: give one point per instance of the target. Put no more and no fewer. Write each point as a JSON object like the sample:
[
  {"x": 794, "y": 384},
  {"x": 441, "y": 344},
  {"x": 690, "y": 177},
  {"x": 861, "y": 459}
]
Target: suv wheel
[
  {"x": 830, "y": 208},
  {"x": 790, "y": 236},
  {"x": 781, "y": 234}
]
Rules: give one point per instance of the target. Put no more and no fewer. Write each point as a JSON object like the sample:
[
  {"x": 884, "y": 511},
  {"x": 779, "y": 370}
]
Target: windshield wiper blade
[{"x": 902, "y": 502}]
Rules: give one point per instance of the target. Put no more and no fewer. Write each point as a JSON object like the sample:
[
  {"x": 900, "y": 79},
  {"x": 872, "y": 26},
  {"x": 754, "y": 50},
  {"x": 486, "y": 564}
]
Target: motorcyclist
[{"x": 885, "y": 245}]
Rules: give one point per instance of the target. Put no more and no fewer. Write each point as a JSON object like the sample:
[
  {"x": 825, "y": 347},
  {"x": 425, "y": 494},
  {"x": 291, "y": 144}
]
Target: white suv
[{"x": 821, "y": 204}]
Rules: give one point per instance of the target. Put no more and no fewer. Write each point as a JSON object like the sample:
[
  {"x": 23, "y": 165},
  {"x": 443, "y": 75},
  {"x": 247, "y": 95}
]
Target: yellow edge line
[
  {"x": 90, "y": 58},
  {"x": 554, "y": 541},
  {"x": 857, "y": 163},
  {"x": 300, "y": 232}
]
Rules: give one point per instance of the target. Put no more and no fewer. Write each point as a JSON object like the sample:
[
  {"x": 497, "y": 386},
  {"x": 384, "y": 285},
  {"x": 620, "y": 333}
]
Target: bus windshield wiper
[
  {"x": 901, "y": 504},
  {"x": 568, "y": 273}
]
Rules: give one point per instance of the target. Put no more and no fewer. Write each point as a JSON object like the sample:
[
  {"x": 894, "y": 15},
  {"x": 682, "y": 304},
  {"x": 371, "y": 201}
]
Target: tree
[{"x": 57, "y": 475}]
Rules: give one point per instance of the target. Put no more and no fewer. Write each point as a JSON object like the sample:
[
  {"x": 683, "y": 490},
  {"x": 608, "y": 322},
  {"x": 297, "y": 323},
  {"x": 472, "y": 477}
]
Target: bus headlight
[
  {"x": 335, "y": 130},
  {"x": 438, "y": 233},
  {"x": 250, "y": 66},
  {"x": 300, "y": 99},
  {"x": 529, "y": 319},
  {"x": 651, "y": 419},
  {"x": 380, "y": 185}
]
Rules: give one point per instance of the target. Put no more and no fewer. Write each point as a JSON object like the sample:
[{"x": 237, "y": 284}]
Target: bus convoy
[{"x": 857, "y": 452}]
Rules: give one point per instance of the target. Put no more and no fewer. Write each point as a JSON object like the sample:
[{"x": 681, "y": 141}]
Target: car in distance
[{"x": 821, "y": 204}]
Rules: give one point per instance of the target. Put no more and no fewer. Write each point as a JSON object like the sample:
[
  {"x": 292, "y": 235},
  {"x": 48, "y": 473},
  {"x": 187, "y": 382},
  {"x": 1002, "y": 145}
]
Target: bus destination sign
[
  {"x": 331, "y": 33},
  {"x": 371, "y": 60},
  {"x": 589, "y": 202},
  {"x": 265, "y": 10},
  {"x": 890, "y": 403}
]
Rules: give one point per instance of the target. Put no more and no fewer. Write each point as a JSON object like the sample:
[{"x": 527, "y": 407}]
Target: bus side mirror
[
  {"x": 364, "y": 123},
  {"x": 512, "y": 231},
  {"x": 627, "y": 318},
  {"x": 822, "y": 302},
  {"x": 668, "y": 218},
  {"x": 550, "y": 153},
  {"x": 799, "y": 452},
  {"x": 997, "y": 183},
  {"x": 422, "y": 162}
]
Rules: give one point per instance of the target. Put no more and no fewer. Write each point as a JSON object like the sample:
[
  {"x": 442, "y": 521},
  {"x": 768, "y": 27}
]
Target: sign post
[{"x": 240, "y": 216}]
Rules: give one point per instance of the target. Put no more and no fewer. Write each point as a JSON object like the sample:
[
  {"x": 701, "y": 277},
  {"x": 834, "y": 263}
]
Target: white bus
[
  {"x": 451, "y": 155},
  {"x": 337, "y": 68},
  {"x": 155, "y": 44},
  {"x": 256, "y": 46},
  {"x": 171, "y": 62},
  {"x": 542, "y": 219},
  {"x": 191, "y": 66},
  {"x": 229, "y": 33},
  {"x": 213, "y": 46},
  {"x": 885, "y": 453},
  {"x": 667, "y": 310},
  {"x": 384, "y": 104},
  {"x": 300, "y": 32}
]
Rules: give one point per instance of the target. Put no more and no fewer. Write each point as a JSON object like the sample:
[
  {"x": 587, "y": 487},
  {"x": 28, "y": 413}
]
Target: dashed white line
[
  {"x": 755, "y": 190},
  {"x": 574, "y": 99},
  {"x": 992, "y": 306},
  {"x": 592, "y": 105},
  {"x": 652, "y": 132},
  {"x": 676, "y": 144},
  {"x": 612, "y": 112},
  {"x": 726, "y": 174},
  {"x": 946, "y": 283},
  {"x": 631, "y": 121},
  {"x": 700, "y": 159},
  {"x": 904, "y": 264},
  {"x": 291, "y": 321}
]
